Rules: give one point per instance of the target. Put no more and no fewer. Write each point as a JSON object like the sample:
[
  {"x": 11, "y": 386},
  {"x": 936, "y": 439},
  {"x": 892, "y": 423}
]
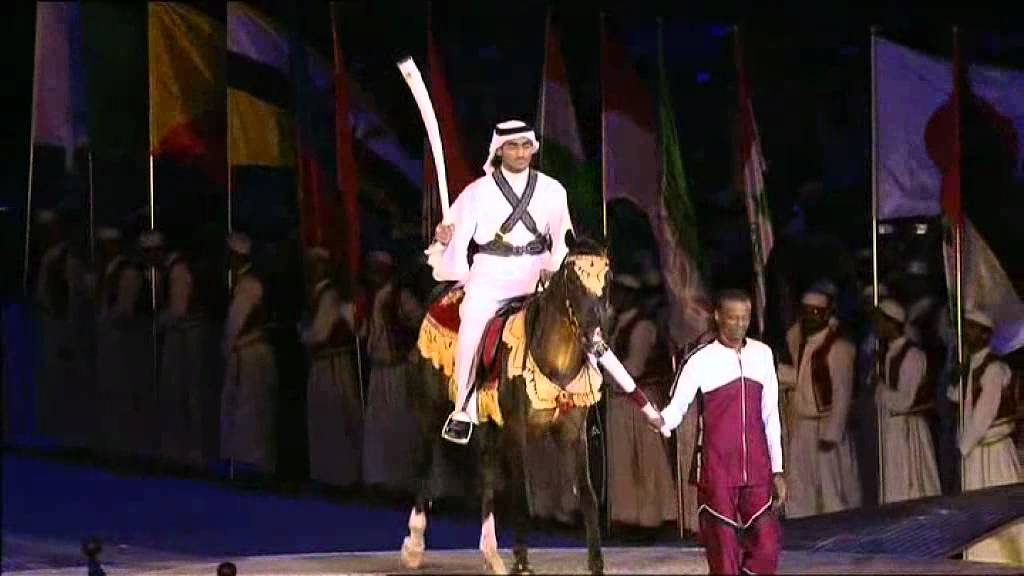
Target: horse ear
[{"x": 570, "y": 239}]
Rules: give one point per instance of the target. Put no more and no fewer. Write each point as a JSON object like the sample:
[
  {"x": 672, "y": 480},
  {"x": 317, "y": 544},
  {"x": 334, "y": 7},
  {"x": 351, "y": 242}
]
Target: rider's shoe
[{"x": 458, "y": 428}]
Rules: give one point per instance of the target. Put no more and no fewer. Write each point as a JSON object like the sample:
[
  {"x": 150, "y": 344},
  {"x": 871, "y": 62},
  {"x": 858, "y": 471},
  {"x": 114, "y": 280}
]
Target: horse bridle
[{"x": 574, "y": 322}]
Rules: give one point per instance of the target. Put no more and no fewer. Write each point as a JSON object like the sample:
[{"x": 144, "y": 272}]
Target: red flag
[
  {"x": 456, "y": 164},
  {"x": 348, "y": 171},
  {"x": 951, "y": 204}
]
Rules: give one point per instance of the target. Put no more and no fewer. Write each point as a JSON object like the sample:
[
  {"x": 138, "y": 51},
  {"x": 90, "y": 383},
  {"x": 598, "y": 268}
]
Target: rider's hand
[{"x": 443, "y": 233}]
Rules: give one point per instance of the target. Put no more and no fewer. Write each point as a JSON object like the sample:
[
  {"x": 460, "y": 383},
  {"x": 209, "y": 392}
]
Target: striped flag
[
  {"x": 59, "y": 87},
  {"x": 561, "y": 151},
  {"x": 749, "y": 181},
  {"x": 186, "y": 69},
  {"x": 643, "y": 165}
]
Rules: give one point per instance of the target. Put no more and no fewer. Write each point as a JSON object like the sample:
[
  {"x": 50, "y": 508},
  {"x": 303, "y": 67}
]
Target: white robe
[
  {"x": 391, "y": 433},
  {"x": 820, "y": 481},
  {"x": 477, "y": 215},
  {"x": 908, "y": 452},
  {"x": 334, "y": 410},
  {"x": 989, "y": 455},
  {"x": 641, "y": 490}
]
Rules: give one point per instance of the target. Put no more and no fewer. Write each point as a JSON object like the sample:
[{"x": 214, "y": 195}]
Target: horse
[{"x": 533, "y": 376}]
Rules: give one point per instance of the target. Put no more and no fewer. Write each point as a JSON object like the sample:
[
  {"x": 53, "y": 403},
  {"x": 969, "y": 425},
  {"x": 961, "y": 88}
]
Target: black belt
[{"x": 499, "y": 247}]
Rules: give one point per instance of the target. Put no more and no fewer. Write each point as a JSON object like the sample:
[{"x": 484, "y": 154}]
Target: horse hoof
[
  {"x": 493, "y": 561},
  {"x": 521, "y": 568},
  {"x": 412, "y": 553}
]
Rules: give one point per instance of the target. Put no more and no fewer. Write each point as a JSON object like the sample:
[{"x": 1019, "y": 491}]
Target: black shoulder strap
[{"x": 519, "y": 205}]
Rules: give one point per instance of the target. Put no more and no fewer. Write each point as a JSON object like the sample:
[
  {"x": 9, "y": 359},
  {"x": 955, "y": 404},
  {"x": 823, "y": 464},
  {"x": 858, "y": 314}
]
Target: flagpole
[
  {"x": 604, "y": 139},
  {"x": 877, "y": 372},
  {"x": 745, "y": 113},
  {"x": 680, "y": 505},
  {"x": 604, "y": 231},
  {"x": 227, "y": 149},
  {"x": 543, "y": 82},
  {"x": 958, "y": 248},
  {"x": 92, "y": 214},
  {"x": 31, "y": 155},
  {"x": 351, "y": 249}
]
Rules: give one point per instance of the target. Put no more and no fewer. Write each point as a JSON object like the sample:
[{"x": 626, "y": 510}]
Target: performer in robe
[
  {"x": 248, "y": 399},
  {"x": 989, "y": 456},
  {"x": 63, "y": 394},
  {"x": 740, "y": 480},
  {"x": 641, "y": 489},
  {"x": 864, "y": 422},
  {"x": 184, "y": 367},
  {"x": 823, "y": 474},
  {"x": 146, "y": 351},
  {"x": 334, "y": 408},
  {"x": 903, "y": 398},
  {"x": 120, "y": 327},
  {"x": 391, "y": 434}
]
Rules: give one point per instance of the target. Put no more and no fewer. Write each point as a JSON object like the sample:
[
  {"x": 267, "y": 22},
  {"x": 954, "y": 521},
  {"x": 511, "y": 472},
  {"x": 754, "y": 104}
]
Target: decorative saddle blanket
[{"x": 507, "y": 330}]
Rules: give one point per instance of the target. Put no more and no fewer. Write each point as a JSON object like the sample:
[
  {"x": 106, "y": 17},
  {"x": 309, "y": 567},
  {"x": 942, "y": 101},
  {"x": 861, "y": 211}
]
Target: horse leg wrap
[
  {"x": 414, "y": 545},
  {"x": 489, "y": 547}
]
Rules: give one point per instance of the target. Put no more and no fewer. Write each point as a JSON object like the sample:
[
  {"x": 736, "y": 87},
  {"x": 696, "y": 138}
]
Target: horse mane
[{"x": 584, "y": 246}]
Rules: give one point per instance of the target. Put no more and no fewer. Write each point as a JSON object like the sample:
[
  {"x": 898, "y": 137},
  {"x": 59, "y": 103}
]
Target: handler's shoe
[{"x": 458, "y": 428}]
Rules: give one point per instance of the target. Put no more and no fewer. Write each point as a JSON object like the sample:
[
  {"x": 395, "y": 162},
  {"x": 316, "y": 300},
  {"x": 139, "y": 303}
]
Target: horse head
[{"x": 582, "y": 283}]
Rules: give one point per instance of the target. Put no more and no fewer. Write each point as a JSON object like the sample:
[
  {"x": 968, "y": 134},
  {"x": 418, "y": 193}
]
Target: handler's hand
[
  {"x": 779, "y": 491},
  {"x": 443, "y": 233}
]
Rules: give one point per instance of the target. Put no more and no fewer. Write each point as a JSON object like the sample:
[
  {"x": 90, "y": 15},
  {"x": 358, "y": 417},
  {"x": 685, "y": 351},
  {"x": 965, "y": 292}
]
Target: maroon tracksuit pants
[{"x": 739, "y": 529}]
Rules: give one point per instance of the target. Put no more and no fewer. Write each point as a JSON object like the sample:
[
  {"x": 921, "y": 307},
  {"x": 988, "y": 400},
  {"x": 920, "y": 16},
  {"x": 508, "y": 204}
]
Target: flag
[
  {"x": 347, "y": 169},
  {"x": 186, "y": 70},
  {"x": 456, "y": 164},
  {"x": 749, "y": 181},
  {"x": 561, "y": 150},
  {"x": 642, "y": 165},
  {"x": 59, "y": 89},
  {"x": 984, "y": 281},
  {"x": 261, "y": 129},
  {"x": 912, "y": 89}
]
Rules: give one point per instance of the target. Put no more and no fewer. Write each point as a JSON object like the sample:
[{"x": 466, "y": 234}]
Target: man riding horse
[{"x": 519, "y": 219}]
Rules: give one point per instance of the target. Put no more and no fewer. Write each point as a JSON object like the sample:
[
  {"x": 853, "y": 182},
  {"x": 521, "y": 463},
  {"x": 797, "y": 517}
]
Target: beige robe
[
  {"x": 183, "y": 378},
  {"x": 249, "y": 397},
  {"x": 334, "y": 410},
  {"x": 391, "y": 432},
  {"x": 63, "y": 399},
  {"x": 124, "y": 372},
  {"x": 908, "y": 451},
  {"x": 820, "y": 481},
  {"x": 989, "y": 456},
  {"x": 641, "y": 490}
]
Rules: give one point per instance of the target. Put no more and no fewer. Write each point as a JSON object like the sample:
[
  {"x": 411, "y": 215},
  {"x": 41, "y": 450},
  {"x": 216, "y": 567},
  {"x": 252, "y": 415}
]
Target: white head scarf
[{"x": 505, "y": 132}]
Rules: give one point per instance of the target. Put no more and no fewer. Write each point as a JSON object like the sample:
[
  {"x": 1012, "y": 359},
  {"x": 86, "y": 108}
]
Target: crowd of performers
[{"x": 134, "y": 363}]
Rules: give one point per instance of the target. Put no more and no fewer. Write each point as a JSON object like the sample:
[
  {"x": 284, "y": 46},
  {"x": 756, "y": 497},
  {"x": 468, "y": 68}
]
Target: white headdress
[
  {"x": 151, "y": 239},
  {"x": 505, "y": 132},
  {"x": 893, "y": 309},
  {"x": 979, "y": 317},
  {"x": 108, "y": 233},
  {"x": 239, "y": 243}
]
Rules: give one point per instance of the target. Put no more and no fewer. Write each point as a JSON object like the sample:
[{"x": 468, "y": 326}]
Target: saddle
[{"x": 489, "y": 353}]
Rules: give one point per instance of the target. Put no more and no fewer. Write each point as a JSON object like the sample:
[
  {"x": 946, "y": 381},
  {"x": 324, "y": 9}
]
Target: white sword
[{"x": 419, "y": 92}]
